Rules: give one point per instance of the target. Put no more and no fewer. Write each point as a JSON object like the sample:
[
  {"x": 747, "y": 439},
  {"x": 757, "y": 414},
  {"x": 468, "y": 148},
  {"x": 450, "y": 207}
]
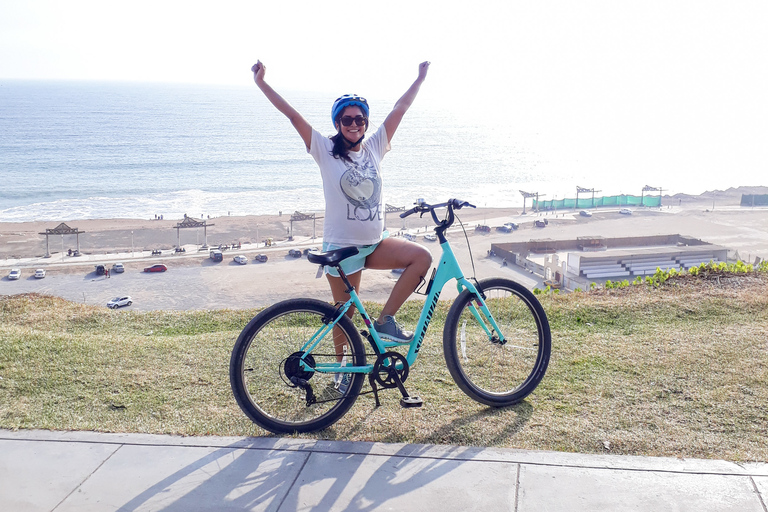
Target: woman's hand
[
  {"x": 258, "y": 71},
  {"x": 423, "y": 68}
]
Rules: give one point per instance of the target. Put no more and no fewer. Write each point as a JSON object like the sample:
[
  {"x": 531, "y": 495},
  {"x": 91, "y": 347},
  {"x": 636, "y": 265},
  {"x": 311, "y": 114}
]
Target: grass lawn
[{"x": 676, "y": 370}]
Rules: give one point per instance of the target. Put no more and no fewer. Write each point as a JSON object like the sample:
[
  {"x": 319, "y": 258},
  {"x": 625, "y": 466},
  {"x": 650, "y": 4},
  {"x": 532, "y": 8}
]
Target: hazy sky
[{"x": 632, "y": 81}]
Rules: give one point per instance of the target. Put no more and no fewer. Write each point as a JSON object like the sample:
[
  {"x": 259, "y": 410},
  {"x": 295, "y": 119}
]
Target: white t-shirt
[{"x": 354, "y": 203}]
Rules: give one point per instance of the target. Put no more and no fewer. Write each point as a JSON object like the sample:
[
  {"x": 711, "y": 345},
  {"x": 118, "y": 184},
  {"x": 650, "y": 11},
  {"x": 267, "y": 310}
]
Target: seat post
[{"x": 343, "y": 276}]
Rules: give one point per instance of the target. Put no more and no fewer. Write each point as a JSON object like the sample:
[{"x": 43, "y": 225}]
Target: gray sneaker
[
  {"x": 342, "y": 382},
  {"x": 393, "y": 331}
]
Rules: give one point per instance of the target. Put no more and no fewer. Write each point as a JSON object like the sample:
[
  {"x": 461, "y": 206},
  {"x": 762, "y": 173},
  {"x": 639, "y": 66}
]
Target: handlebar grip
[
  {"x": 409, "y": 212},
  {"x": 458, "y": 204}
]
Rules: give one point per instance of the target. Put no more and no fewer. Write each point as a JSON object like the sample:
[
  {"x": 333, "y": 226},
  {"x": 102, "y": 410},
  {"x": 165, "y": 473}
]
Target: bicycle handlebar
[
  {"x": 451, "y": 204},
  {"x": 442, "y": 225}
]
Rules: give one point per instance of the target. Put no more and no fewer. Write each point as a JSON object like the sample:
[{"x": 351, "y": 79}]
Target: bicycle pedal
[{"x": 411, "y": 401}]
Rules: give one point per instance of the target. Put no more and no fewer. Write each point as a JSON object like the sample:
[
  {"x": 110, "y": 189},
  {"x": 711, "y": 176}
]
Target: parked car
[
  {"x": 119, "y": 302},
  {"x": 310, "y": 249},
  {"x": 15, "y": 274},
  {"x": 240, "y": 259},
  {"x": 540, "y": 223},
  {"x": 100, "y": 269},
  {"x": 261, "y": 258},
  {"x": 294, "y": 253},
  {"x": 156, "y": 268},
  {"x": 216, "y": 255},
  {"x": 507, "y": 227},
  {"x": 483, "y": 229},
  {"x": 625, "y": 211},
  {"x": 39, "y": 273},
  {"x": 118, "y": 268},
  {"x": 429, "y": 237},
  {"x": 585, "y": 213}
]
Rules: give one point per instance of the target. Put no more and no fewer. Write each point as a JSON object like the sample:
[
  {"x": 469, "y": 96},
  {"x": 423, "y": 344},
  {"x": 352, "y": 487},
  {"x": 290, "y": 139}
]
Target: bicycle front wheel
[
  {"x": 278, "y": 392},
  {"x": 489, "y": 371}
]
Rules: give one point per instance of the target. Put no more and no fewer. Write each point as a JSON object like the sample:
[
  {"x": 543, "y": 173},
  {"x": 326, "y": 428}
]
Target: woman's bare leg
[
  {"x": 394, "y": 253},
  {"x": 339, "y": 292}
]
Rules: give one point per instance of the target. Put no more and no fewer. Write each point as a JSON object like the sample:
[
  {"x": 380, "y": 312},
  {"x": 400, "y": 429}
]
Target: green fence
[{"x": 597, "y": 202}]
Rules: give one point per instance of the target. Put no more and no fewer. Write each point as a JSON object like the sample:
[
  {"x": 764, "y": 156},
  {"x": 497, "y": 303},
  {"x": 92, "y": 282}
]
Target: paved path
[{"x": 86, "y": 471}]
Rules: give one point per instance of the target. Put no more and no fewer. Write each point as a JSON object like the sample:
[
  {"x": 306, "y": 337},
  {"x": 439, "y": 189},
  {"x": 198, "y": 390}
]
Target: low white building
[{"x": 576, "y": 263}]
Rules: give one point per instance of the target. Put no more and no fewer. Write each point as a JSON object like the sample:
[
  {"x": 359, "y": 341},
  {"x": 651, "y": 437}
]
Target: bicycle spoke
[
  {"x": 273, "y": 378},
  {"x": 490, "y": 370}
]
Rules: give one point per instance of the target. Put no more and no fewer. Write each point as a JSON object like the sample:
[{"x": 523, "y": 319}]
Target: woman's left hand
[{"x": 423, "y": 68}]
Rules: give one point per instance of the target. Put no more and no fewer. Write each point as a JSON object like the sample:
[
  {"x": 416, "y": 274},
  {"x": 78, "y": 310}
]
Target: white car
[
  {"x": 39, "y": 273},
  {"x": 118, "y": 268},
  {"x": 241, "y": 259},
  {"x": 625, "y": 211},
  {"x": 15, "y": 274},
  {"x": 119, "y": 301}
]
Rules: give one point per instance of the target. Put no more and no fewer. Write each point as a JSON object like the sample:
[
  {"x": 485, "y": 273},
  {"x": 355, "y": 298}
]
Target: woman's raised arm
[
  {"x": 296, "y": 119},
  {"x": 403, "y": 104}
]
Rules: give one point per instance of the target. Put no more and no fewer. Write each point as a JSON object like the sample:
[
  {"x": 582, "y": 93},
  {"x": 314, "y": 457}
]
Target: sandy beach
[{"x": 194, "y": 281}]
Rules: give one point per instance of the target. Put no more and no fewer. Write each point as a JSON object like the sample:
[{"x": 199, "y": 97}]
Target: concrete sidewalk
[{"x": 85, "y": 471}]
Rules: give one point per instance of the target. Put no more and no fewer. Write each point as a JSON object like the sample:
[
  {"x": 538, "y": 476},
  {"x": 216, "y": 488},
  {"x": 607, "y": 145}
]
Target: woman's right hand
[{"x": 258, "y": 71}]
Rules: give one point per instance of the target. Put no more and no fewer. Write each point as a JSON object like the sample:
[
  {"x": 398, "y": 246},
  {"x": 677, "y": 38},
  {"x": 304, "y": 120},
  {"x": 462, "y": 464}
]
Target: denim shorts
[{"x": 354, "y": 263}]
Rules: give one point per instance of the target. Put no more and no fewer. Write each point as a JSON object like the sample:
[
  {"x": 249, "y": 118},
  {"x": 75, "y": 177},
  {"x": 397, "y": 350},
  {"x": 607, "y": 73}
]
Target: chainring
[{"x": 385, "y": 369}]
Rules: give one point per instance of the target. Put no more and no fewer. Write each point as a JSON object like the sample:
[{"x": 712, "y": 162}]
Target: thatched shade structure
[
  {"x": 61, "y": 229},
  {"x": 189, "y": 222}
]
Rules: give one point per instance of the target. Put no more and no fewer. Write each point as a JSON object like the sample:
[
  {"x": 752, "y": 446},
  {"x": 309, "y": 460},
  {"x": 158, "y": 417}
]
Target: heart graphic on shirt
[{"x": 361, "y": 190}]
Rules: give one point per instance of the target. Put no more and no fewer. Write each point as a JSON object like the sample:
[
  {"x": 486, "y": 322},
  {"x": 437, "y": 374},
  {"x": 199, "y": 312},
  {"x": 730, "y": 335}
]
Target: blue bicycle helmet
[{"x": 348, "y": 100}]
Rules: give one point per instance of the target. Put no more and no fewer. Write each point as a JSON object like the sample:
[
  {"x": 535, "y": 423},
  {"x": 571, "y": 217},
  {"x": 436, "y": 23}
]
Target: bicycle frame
[{"x": 448, "y": 268}]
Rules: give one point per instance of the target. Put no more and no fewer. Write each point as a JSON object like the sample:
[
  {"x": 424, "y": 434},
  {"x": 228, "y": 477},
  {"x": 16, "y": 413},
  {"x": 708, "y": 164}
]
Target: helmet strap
[{"x": 351, "y": 144}]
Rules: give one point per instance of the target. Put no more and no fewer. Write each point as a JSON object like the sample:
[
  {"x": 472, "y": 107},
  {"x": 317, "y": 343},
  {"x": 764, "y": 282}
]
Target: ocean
[{"x": 87, "y": 150}]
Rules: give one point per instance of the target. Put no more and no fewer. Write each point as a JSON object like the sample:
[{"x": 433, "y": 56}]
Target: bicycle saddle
[{"x": 331, "y": 258}]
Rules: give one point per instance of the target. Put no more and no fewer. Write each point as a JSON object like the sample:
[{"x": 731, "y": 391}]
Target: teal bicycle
[{"x": 289, "y": 362}]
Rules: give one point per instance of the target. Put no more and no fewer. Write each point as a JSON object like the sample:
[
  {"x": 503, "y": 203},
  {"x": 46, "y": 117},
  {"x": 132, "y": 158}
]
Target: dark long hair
[{"x": 340, "y": 147}]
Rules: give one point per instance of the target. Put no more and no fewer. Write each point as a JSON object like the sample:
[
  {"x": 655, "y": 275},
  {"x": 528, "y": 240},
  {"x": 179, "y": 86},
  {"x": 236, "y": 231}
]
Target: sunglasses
[{"x": 358, "y": 120}]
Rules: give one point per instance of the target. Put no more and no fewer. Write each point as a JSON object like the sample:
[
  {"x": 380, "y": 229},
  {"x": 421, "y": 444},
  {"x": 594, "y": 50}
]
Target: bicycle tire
[
  {"x": 257, "y": 368},
  {"x": 491, "y": 373}
]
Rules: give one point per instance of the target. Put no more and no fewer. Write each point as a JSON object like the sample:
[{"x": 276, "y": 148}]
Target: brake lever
[{"x": 458, "y": 204}]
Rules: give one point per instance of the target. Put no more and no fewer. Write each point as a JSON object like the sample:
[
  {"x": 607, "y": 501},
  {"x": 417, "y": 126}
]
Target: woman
[{"x": 354, "y": 212}]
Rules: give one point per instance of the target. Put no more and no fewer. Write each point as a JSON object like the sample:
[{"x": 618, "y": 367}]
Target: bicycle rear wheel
[
  {"x": 266, "y": 357},
  {"x": 492, "y": 373}
]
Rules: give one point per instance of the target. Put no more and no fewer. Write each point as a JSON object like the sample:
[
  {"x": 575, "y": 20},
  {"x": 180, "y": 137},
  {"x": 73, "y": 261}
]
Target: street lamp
[{"x": 131, "y": 244}]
